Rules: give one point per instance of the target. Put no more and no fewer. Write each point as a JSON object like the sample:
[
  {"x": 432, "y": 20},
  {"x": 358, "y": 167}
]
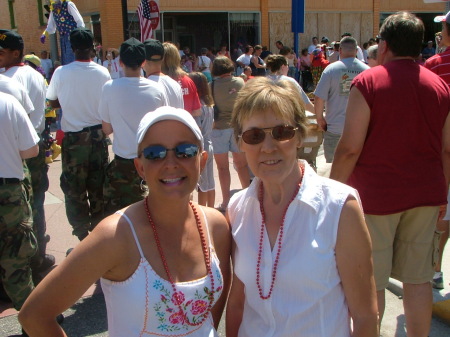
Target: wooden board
[
  {"x": 329, "y": 26},
  {"x": 280, "y": 29},
  {"x": 351, "y": 23},
  {"x": 366, "y": 28},
  {"x": 311, "y": 29}
]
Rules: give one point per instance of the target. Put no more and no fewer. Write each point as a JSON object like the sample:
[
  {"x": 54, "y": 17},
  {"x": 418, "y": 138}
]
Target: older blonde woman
[{"x": 302, "y": 259}]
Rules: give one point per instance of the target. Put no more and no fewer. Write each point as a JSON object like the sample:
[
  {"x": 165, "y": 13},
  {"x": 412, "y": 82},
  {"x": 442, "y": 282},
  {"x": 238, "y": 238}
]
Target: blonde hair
[
  {"x": 262, "y": 94},
  {"x": 172, "y": 61}
]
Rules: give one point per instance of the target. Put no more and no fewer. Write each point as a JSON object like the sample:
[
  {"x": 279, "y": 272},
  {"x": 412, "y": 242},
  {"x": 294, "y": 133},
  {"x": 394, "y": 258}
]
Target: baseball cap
[
  {"x": 325, "y": 39},
  {"x": 167, "y": 113},
  {"x": 81, "y": 38},
  {"x": 153, "y": 48},
  {"x": 9, "y": 39},
  {"x": 33, "y": 59},
  {"x": 442, "y": 18},
  {"x": 132, "y": 52}
]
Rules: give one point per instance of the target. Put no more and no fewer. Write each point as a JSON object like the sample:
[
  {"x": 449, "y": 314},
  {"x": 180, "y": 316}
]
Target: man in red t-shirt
[
  {"x": 440, "y": 63},
  {"x": 395, "y": 150}
]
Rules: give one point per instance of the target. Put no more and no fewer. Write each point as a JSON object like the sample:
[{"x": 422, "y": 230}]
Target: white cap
[
  {"x": 166, "y": 113},
  {"x": 442, "y": 18}
]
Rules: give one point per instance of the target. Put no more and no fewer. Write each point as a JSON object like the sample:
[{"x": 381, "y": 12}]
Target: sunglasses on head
[
  {"x": 279, "y": 133},
  {"x": 182, "y": 151}
]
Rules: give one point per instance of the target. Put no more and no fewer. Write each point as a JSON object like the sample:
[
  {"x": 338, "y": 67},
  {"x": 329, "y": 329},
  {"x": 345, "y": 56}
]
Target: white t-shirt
[
  {"x": 172, "y": 89},
  {"x": 359, "y": 53},
  {"x": 36, "y": 86},
  {"x": 116, "y": 70},
  {"x": 47, "y": 65},
  {"x": 17, "y": 134},
  {"x": 78, "y": 87},
  {"x": 204, "y": 61},
  {"x": 13, "y": 87},
  {"x": 308, "y": 299},
  {"x": 245, "y": 59},
  {"x": 123, "y": 103},
  {"x": 276, "y": 78},
  {"x": 311, "y": 48}
]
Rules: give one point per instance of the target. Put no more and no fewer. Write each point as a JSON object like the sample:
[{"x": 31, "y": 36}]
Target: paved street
[{"x": 88, "y": 316}]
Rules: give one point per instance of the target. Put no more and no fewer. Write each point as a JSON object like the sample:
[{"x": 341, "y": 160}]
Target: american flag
[{"x": 145, "y": 22}]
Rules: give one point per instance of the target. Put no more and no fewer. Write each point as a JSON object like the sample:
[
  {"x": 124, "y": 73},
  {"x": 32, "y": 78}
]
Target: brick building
[{"x": 204, "y": 23}]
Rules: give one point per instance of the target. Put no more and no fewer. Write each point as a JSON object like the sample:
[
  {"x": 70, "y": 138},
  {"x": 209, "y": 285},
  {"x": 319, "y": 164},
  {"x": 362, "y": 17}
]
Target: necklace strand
[
  {"x": 280, "y": 238},
  {"x": 206, "y": 256}
]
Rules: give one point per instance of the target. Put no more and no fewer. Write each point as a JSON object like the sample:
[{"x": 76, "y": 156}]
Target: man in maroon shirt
[
  {"x": 440, "y": 63},
  {"x": 395, "y": 150}
]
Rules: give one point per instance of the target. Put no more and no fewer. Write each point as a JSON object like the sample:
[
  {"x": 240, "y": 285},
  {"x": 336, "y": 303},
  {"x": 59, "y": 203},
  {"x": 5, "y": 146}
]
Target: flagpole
[{"x": 125, "y": 20}]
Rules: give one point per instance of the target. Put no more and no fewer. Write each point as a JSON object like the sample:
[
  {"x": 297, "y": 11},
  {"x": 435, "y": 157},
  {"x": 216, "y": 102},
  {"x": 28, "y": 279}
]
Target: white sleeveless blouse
[
  {"x": 307, "y": 298},
  {"x": 145, "y": 304}
]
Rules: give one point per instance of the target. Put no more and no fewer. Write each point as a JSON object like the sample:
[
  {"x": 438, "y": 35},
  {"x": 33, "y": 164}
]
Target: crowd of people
[{"x": 292, "y": 253}]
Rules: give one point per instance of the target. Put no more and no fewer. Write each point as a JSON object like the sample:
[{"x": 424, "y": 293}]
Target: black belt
[
  {"x": 88, "y": 129},
  {"x": 116, "y": 157},
  {"x": 9, "y": 181}
]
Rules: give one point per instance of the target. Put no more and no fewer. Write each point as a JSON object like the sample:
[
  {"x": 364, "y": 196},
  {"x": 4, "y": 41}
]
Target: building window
[
  {"x": 11, "y": 14},
  {"x": 244, "y": 29},
  {"x": 134, "y": 30}
]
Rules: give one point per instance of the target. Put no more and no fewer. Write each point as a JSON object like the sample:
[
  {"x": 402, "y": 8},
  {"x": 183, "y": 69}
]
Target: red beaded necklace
[
  {"x": 206, "y": 256},
  {"x": 261, "y": 238}
]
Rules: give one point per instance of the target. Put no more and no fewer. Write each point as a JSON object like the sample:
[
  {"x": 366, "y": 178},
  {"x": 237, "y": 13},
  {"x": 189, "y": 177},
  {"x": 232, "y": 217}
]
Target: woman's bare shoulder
[
  {"x": 116, "y": 227},
  {"x": 218, "y": 225}
]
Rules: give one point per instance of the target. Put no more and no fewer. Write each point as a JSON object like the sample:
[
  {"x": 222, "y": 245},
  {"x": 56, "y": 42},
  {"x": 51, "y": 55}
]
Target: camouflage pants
[
  {"x": 17, "y": 242},
  {"x": 122, "y": 185},
  {"x": 84, "y": 161},
  {"x": 39, "y": 183}
]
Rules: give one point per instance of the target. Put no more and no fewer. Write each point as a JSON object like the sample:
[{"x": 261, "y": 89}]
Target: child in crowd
[
  {"x": 206, "y": 187},
  {"x": 186, "y": 63},
  {"x": 318, "y": 64}
]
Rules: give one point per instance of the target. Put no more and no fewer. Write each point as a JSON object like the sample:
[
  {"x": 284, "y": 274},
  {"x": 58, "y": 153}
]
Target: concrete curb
[{"x": 441, "y": 307}]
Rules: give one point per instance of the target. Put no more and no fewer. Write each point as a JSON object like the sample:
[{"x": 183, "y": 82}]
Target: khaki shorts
[
  {"x": 330, "y": 142},
  {"x": 404, "y": 245}
]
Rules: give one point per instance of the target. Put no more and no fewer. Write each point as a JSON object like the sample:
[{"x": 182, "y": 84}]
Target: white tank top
[{"x": 145, "y": 305}]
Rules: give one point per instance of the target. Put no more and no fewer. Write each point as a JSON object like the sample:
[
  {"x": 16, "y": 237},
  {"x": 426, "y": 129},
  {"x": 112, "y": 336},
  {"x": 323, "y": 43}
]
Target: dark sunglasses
[
  {"x": 183, "y": 151},
  {"x": 279, "y": 133}
]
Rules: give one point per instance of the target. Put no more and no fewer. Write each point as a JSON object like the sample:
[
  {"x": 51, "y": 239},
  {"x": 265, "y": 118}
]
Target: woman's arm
[
  {"x": 222, "y": 244},
  {"x": 354, "y": 262},
  {"x": 235, "y": 307},
  {"x": 91, "y": 259},
  {"x": 235, "y": 304},
  {"x": 255, "y": 62}
]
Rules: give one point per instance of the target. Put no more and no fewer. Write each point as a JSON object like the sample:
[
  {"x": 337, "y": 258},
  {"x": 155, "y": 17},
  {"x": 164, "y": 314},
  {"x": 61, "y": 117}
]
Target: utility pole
[{"x": 298, "y": 20}]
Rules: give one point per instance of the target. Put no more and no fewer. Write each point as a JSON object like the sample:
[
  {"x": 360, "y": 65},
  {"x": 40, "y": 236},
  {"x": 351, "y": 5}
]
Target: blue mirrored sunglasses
[{"x": 182, "y": 151}]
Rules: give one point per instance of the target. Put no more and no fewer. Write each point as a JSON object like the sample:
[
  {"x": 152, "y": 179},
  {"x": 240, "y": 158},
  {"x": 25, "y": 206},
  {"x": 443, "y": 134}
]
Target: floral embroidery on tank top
[{"x": 167, "y": 308}]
